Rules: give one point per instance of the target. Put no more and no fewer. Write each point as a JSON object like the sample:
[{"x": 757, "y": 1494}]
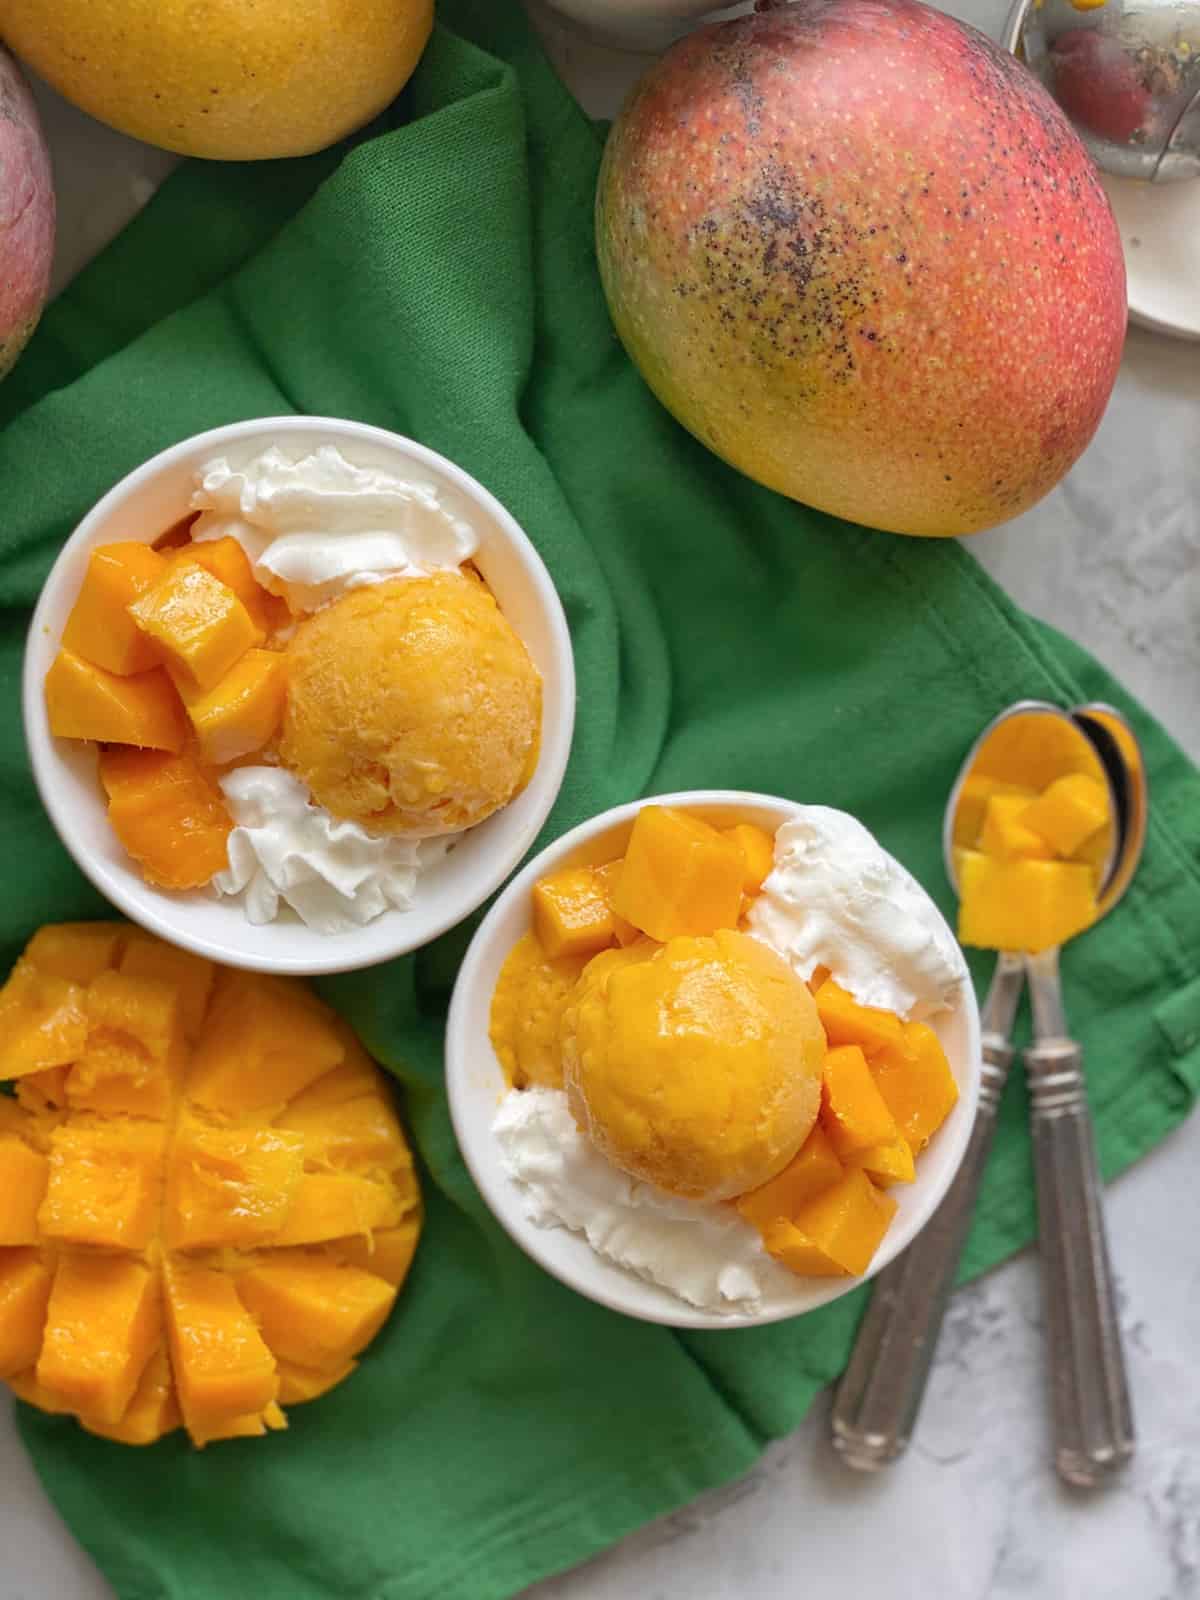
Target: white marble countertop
[{"x": 974, "y": 1512}]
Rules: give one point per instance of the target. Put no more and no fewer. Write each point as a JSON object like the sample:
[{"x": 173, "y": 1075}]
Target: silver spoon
[{"x": 877, "y": 1402}]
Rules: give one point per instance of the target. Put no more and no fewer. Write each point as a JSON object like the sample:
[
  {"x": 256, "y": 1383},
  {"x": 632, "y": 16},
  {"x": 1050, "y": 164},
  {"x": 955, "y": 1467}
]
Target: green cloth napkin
[{"x": 438, "y": 278}]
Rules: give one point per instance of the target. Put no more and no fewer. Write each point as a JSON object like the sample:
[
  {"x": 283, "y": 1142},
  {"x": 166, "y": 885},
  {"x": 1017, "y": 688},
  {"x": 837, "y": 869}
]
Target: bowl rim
[
  {"x": 498, "y": 1191},
  {"x": 553, "y": 752}
]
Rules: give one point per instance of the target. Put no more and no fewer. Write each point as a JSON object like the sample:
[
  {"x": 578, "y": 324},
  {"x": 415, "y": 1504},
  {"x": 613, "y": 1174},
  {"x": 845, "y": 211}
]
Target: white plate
[{"x": 1160, "y": 229}]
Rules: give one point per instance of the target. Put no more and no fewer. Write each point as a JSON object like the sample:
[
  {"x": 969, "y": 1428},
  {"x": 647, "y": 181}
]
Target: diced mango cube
[
  {"x": 84, "y": 701},
  {"x": 836, "y": 1233},
  {"x": 624, "y": 933},
  {"x": 886, "y": 1163},
  {"x": 226, "y": 560},
  {"x": 331, "y": 1205},
  {"x": 572, "y": 915},
  {"x": 1023, "y": 905},
  {"x": 169, "y": 814},
  {"x": 192, "y": 975},
  {"x": 313, "y": 1311},
  {"x": 388, "y": 1253},
  {"x": 297, "y": 1384},
  {"x": 102, "y": 1324},
  {"x": 1004, "y": 832},
  {"x": 198, "y": 623},
  {"x": 241, "y": 713},
  {"x": 152, "y": 1412},
  {"x": 972, "y": 802},
  {"x": 100, "y": 628},
  {"x": 43, "y": 1021},
  {"x": 915, "y": 1080},
  {"x": 105, "y": 1184},
  {"x": 813, "y": 1168},
  {"x": 24, "y": 1293},
  {"x": 262, "y": 1045},
  {"x": 77, "y": 951},
  {"x": 853, "y": 1112},
  {"x": 363, "y": 1133},
  {"x": 231, "y": 1186},
  {"x": 356, "y": 1076},
  {"x": 23, "y": 1176},
  {"x": 758, "y": 854},
  {"x": 846, "y": 1022},
  {"x": 222, "y": 1367},
  {"x": 135, "y": 1048},
  {"x": 679, "y": 876},
  {"x": 1068, "y": 812}
]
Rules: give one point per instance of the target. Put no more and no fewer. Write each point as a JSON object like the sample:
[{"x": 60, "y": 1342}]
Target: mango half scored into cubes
[{"x": 207, "y": 1203}]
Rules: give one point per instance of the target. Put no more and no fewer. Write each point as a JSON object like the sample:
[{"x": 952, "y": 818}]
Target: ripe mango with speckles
[{"x": 26, "y": 214}]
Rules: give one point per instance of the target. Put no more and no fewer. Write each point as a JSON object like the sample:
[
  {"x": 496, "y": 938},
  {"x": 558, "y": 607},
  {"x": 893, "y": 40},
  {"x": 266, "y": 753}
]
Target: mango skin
[
  {"x": 857, "y": 250},
  {"x": 232, "y": 80},
  {"x": 26, "y": 215}
]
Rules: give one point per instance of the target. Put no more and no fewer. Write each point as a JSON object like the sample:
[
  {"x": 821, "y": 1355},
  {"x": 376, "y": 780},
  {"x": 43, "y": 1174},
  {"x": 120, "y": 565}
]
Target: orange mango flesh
[
  {"x": 84, "y": 701},
  {"x": 680, "y": 876},
  {"x": 169, "y": 814},
  {"x": 241, "y": 713},
  {"x": 208, "y": 1211},
  {"x": 99, "y": 628},
  {"x": 198, "y": 624}
]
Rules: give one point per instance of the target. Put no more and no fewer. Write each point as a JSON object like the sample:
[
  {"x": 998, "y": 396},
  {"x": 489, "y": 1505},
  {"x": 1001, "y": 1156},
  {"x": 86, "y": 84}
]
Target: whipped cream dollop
[
  {"x": 836, "y": 899},
  {"x": 706, "y": 1254},
  {"x": 284, "y": 850},
  {"x": 316, "y": 525}
]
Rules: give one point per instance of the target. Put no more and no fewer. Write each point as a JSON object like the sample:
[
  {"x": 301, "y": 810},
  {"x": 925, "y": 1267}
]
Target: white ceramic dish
[
  {"x": 475, "y": 1084},
  {"x": 1160, "y": 229},
  {"x": 142, "y": 506}
]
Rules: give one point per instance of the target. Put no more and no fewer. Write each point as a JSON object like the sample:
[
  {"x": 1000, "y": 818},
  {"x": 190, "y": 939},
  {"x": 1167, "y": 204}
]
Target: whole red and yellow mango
[
  {"x": 26, "y": 214},
  {"x": 858, "y": 251}
]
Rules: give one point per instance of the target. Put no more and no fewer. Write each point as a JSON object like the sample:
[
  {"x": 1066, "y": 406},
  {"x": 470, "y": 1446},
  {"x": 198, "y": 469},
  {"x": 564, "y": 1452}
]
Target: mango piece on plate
[
  {"x": 84, "y": 701},
  {"x": 231, "y": 1186},
  {"x": 100, "y": 628},
  {"x": 243, "y": 711},
  {"x": 135, "y": 1048},
  {"x": 758, "y": 854},
  {"x": 102, "y": 1323},
  {"x": 527, "y": 1005},
  {"x": 388, "y": 1252},
  {"x": 1023, "y": 905},
  {"x": 226, "y": 560},
  {"x": 814, "y": 1167},
  {"x": 262, "y": 1045},
  {"x": 679, "y": 876},
  {"x": 973, "y": 798},
  {"x": 853, "y": 1112},
  {"x": 315, "y": 1312},
  {"x": 152, "y": 1412},
  {"x": 846, "y": 1022},
  {"x": 1005, "y": 833},
  {"x": 197, "y": 622},
  {"x": 1068, "y": 812},
  {"x": 915, "y": 1080},
  {"x": 572, "y": 914},
  {"x": 24, "y": 1294},
  {"x": 169, "y": 814},
  {"x": 837, "y": 1232},
  {"x": 77, "y": 951},
  {"x": 43, "y": 1021},
  {"x": 222, "y": 1367},
  {"x": 23, "y": 1176},
  {"x": 886, "y": 1163},
  {"x": 105, "y": 1184},
  {"x": 191, "y": 975},
  {"x": 624, "y": 933}
]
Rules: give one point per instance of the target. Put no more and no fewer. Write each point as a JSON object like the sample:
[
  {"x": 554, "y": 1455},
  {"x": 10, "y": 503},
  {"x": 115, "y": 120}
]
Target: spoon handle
[
  {"x": 877, "y": 1401},
  {"x": 1093, "y": 1418}
]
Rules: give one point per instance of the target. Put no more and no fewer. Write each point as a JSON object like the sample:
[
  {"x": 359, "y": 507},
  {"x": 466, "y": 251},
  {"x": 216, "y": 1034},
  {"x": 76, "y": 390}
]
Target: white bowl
[
  {"x": 475, "y": 1084},
  {"x": 146, "y": 503}
]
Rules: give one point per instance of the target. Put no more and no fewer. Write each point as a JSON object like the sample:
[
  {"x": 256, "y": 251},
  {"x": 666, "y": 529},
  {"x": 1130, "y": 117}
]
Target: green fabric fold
[{"x": 437, "y": 277}]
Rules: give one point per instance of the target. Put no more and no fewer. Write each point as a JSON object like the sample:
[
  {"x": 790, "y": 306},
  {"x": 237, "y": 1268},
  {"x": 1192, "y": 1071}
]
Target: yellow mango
[
  {"x": 1023, "y": 905},
  {"x": 527, "y": 1005},
  {"x": 679, "y": 876},
  {"x": 198, "y": 623},
  {"x": 102, "y": 1324},
  {"x": 330, "y": 1205},
  {"x": 853, "y": 1112},
  {"x": 1004, "y": 832},
  {"x": 169, "y": 814},
  {"x": 758, "y": 854},
  {"x": 231, "y": 1186},
  {"x": 242, "y": 712},
  {"x": 135, "y": 1048},
  {"x": 572, "y": 913},
  {"x": 837, "y": 1232},
  {"x": 846, "y": 1022},
  {"x": 43, "y": 1091},
  {"x": 915, "y": 1080},
  {"x": 315, "y": 1312},
  {"x": 297, "y": 1384},
  {"x": 886, "y": 1163},
  {"x": 84, "y": 701},
  {"x": 99, "y": 627},
  {"x": 972, "y": 803},
  {"x": 43, "y": 1021},
  {"x": 24, "y": 1293},
  {"x": 226, "y": 560},
  {"x": 363, "y": 1133},
  {"x": 77, "y": 951},
  {"x": 26, "y": 1386},
  {"x": 105, "y": 1184},
  {"x": 388, "y": 1253},
  {"x": 353, "y": 1078},
  {"x": 222, "y": 1367},
  {"x": 190, "y": 975},
  {"x": 1068, "y": 812},
  {"x": 261, "y": 1047},
  {"x": 814, "y": 1167},
  {"x": 152, "y": 1412},
  {"x": 23, "y": 1176}
]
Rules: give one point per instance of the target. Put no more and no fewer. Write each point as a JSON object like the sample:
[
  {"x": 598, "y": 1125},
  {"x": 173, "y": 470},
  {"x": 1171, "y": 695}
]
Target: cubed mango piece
[
  {"x": 226, "y": 560},
  {"x": 388, "y": 1252},
  {"x": 263, "y": 1043},
  {"x": 846, "y": 1022},
  {"x": 103, "y": 1322},
  {"x": 84, "y": 701},
  {"x": 972, "y": 802},
  {"x": 169, "y": 814},
  {"x": 297, "y": 1384},
  {"x": 24, "y": 1294},
  {"x": 231, "y": 1186},
  {"x": 837, "y": 1232},
  {"x": 1023, "y": 905},
  {"x": 312, "y": 1311},
  {"x": 152, "y": 1412},
  {"x": 105, "y": 1184},
  {"x": 198, "y": 623},
  {"x": 1005, "y": 834},
  {"x": 814, "y": 1167},
  {"x": 1068, "y": 812},
  {"x": 222, "y": 1367},
  {"x": 135, "y": 1048},
  {"x": 23, "y": 1176},
  {"x": 572, "y": 913},
  {"x": 99, "y": 627},
  {"x": 243, "y": 711},
  {"x": 77, "y": 951},
  {"x": 853, "y": 1112},
  {"x": 363, "y": 1133},
  {"x": 758, "y": 854},
  {"x": 888, "y": 1163},
  {"x": 190, "y": 975},
  {"x": 915, "y": 1080},
  {"x": 331, "y": 1205},
  {"x": 679, "y": 876},
  {"x": 43, "y": 1021}
]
